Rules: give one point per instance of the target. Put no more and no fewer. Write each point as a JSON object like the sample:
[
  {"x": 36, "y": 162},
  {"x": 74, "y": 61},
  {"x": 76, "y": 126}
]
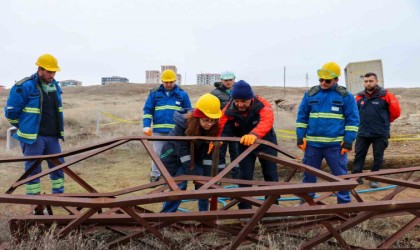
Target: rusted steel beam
[
  {"x": 381, "y": 172},
  {"x": 79, "y": 180},
  {"x": 66, "y": 164},
  {"x": 25, "y": 174},
  {"x": 178, "y": 195},
  {"x": 142, "y": 222},
  {"x": 302, "y": 167},
  {"x": 253, "y": 221},
  {"x": 164, "y": 172},
  {"x": 398, "y": 234},
  {"x": 78, "y": 221},
  {"x": 393, "y": 181},
  {"x": 240, "y": 157},
  {"x": 336, "y": 235},
  {"x": 385, "y": 206}
]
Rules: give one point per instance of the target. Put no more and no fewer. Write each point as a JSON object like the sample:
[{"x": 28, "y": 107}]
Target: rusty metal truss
[{"x": 123, "y": 212}]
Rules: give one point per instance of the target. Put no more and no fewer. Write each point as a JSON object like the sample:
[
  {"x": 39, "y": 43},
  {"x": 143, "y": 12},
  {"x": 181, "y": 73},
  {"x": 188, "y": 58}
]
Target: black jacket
[{"x": 221, "y": 93}]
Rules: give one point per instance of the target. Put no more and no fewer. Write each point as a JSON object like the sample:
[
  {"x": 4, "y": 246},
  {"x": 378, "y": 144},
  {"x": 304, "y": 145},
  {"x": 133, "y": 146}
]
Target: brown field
[{"x": 117, "y": 109}]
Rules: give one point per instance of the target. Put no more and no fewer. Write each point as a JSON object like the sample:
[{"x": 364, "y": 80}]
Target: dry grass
[{"x": 129, "y": 165}]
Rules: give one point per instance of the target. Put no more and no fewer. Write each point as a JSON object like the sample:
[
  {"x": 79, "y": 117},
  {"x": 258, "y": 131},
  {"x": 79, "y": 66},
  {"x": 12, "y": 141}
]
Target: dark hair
[
  {"x": 194, "y": 128},
  {"x": 371, "y": 74}
]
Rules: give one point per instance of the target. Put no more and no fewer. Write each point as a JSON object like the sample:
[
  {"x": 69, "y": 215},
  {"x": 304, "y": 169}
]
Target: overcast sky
[{"x": 255, "y": 39}]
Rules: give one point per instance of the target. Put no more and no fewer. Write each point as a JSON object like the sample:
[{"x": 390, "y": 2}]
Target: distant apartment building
[
  {"x": 171, "y": 67},
  {"x": 113, "y": 79},
  {"x": 178, "y": 79},
  {"x": 355, "y": 71},
  {"x": 68, "y": 83},
  {"x": 2, "y": 88},
  {"x": 207, "y": 78},
  {"x": 152, "y": 76}
]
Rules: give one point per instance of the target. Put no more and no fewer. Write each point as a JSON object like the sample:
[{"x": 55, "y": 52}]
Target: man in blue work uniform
[
  {"x": 326, "y": 125},
  {"x": 34, "y": 107},
  {"x": 159, "y": 109}
]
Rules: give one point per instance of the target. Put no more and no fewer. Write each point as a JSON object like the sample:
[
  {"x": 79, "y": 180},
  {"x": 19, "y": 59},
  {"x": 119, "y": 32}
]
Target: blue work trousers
[
  {"x": 247, "y": 166},
  {"x": 43, "y": 145},
  {"x": 337, "y": 163},
  {"x": 203, "y": 204}
]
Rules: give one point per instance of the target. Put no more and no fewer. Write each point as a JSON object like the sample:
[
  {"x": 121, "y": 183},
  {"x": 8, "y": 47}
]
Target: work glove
[
  {"x": 147, "y": 131},
  {"x": 248, "y": 139},
  {"x": 301, "y": 143},
  {"x": 211, "y": 147},
  {"x": 345, "y": 147}
]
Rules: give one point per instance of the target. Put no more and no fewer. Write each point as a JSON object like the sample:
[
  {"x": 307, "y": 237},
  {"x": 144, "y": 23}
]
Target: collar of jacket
[
  {"x": 378, "y": 92},
  {"x": 220, "y": 86},
  {"x": 255, "y": 107},
  {"x": 162, "y": 88},
  {"x": 36, "y": 80}
]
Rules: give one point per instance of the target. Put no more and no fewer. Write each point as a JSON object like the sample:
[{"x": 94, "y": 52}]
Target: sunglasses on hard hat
[
  {"x": 326, "y": 74},
  {"x": 327, "y": 81}
]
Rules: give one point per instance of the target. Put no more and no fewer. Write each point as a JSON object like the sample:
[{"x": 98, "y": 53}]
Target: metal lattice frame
[{"x": 120, "y": 210}]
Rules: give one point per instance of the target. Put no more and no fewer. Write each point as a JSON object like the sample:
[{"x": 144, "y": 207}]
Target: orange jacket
[{"x": 257, "y": 120}]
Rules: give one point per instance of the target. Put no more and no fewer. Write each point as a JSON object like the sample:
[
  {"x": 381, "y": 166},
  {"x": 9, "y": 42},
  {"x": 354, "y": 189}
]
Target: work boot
[
  {"x": 40, "y": 210},
  {"x": 373, "y": 184},
  {"x": 360, "y": 181},
  {"x": 154, "y": 178}
]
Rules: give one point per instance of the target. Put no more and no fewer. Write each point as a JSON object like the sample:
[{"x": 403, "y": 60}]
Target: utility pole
[
  {"x": 307, "y": 79},
  {"x": 284, "y": 82}
]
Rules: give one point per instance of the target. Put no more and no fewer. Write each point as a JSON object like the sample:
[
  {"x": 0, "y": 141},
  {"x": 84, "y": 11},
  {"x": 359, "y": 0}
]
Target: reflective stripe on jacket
[
  {"x": 23, "y": 108},
  {"x": 326, "y": 117},
  {"x": 160, "y": 108}
]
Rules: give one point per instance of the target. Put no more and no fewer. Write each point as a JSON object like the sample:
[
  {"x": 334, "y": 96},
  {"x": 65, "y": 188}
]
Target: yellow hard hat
[
  {"x": 168, "y": 76},
  {"x": 48, "y": 62},
  {"x": 209, "y": 105},
  {"x": 330, "y": 70}
]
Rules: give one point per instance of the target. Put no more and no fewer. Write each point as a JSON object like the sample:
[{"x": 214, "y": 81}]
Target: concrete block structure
[
  {"x": 113, "y": 79},
  {"x": 207, "y": 78},
  {"x": 355, "y": 71}
]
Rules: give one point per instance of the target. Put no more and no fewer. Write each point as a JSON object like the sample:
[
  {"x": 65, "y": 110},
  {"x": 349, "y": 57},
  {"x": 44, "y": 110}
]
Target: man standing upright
[
  {"x": 159, "y": 109},
  {"x": 326, "y": 125},
  {"x": 34, "y": 107},
  {"x": 223, "y": 92},
  {"x": 378, "y": 108},
  {"x": 250, "y": 117}
]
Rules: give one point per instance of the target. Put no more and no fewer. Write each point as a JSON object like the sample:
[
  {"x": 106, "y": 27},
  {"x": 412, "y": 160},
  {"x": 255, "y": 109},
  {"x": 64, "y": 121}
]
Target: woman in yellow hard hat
[{"x": 176, "y": 155}]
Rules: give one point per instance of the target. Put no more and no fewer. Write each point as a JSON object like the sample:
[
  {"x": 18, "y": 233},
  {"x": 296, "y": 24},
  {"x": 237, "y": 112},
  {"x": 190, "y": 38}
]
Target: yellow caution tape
[
  {"x": 118, "y": 119},
  {"x": 404, "y": 139},
  {"x": 286, "y": 131}
]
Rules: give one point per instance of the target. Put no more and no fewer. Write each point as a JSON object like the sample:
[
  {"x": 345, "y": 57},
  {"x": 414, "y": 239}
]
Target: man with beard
[
  {"x": 377, "y": 108},
  {"x": 250, "y": 117},
  {"x": 34, "y": 107}
]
